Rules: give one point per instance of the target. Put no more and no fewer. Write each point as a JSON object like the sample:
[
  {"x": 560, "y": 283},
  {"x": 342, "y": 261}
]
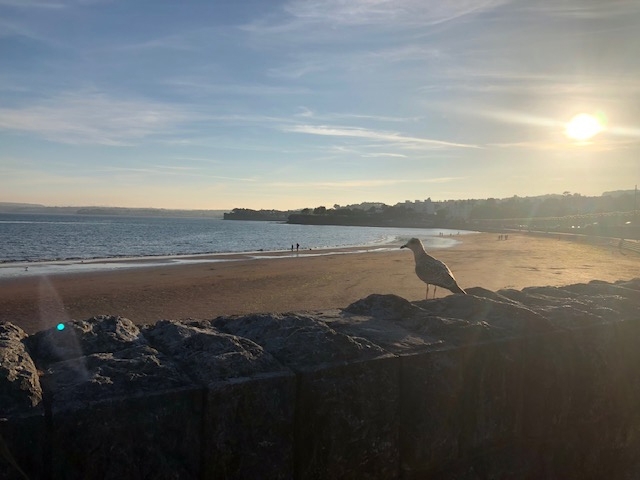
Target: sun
[{"x": 583, "y": 126}]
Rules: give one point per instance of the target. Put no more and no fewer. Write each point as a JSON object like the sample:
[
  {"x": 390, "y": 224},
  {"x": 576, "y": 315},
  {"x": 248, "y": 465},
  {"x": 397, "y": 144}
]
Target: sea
[{"x": 40, "y": 244}]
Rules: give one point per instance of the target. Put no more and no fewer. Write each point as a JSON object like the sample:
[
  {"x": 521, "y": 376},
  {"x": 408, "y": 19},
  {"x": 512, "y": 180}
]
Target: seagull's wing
[{"x": 444, "y": 268}]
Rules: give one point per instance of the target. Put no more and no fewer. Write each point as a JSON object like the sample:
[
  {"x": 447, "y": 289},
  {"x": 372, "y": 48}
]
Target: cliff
[{"x": 531, "y": 384}]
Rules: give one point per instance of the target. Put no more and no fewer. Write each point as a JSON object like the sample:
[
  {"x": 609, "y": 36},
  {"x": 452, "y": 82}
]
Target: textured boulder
[
  {"x": 240, "y": 379},
  {"x": 100, "y": 377},
  {"x": 456, "y": 392},
  {"x": 20, "y": 388},
  {"x": 538, "y": 383},
  {"x": 83, "y": 337},
  {"x": 22, "y": 423},
  {"x": 112, "y": 396},
  {"x": 347, "y": 394},
  {"x": 455, "y": 320},
  {"x": 300, "y": 341},
  {"x": 512, "y": 319},
  {"x": 386, "y": 307},
  {"x": 580, "y": 305},
  {"x": 383, "y": 319},
  {"x": 208, "y": 354}
]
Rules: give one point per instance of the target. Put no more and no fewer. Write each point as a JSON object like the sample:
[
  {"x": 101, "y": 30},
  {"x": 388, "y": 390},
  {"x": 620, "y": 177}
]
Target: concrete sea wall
[{"x": 541, "y": 383}]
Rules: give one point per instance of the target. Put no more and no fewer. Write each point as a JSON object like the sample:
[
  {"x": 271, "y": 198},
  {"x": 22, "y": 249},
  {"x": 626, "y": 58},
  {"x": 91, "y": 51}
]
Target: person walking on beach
[
  {"x": 297, "y": 247},
  {"x": 621, "y": 246}
]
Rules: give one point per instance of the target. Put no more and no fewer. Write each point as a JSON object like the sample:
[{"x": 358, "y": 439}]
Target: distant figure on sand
[
  {"x": 297, "y": 247},
  {"x": 621, "y": 246},
  {"x": 432, "y": 271}
]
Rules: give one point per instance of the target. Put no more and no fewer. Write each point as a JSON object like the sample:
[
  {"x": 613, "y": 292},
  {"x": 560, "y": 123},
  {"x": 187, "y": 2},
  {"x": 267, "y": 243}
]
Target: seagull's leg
[
  {"x": 427, "y": 296},
  {"x": 435, "y": 287}
]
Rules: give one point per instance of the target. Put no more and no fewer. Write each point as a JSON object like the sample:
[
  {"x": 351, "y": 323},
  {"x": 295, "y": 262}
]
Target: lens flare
[{"x": 60, "y": 326}]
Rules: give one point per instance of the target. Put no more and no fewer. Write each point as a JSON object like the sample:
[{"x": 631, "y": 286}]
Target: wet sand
[{"x": 202, "y": 290}]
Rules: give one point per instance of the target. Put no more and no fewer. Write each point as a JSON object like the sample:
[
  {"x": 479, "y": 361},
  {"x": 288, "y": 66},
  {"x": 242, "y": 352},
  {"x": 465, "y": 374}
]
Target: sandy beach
[{"x": 294, "y": 283}]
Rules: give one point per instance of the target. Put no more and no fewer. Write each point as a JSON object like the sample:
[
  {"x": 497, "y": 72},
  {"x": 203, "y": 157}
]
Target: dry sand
[{"x": 304, "y": 282}]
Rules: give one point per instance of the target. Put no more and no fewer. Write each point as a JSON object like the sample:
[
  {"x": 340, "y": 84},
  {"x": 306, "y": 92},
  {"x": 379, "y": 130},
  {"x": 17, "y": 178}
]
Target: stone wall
[{"x": 531, "y": 384}]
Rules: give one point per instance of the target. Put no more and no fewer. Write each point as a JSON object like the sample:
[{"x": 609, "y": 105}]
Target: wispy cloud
[
  {"x": 406, "y": 53},
  {"x": 297, "y": 69},
  {"x": 48, "y": 4},
  {"x": 625, "y": 131},
  {"x": 390, "y": 137},
  {"x": 173, "y": 171},
  {"x": 383, "y": 154},
  {"x": 363, "y": 183},
  {"x": 308, "y": 113},
  {"x": 31, "y": 4},
  {"x": 377, "y": 118},
  {"x": 196, "y": 159},
  {"x": 515, "y": 117},
  {"x": 172, "y": 42},
  {"x": 484, "y": 79},
  {"x": 386, "y": 12},
  {"x": 566, "y": 146},
  {"x": 93, "y": 118},
  {"x": 18, "y": 28},
  {"x": 360, "y": 151},
  {"x": 316, "y": 20},
  {"x": 584, "y": 9},
  {"x": 195, "y": 86}
]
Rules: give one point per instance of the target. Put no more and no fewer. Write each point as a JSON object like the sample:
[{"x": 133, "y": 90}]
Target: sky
[{"x": 287, "y": 104}]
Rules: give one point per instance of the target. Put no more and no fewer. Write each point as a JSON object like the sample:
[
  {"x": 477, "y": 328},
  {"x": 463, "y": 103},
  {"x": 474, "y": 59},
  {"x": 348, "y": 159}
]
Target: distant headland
[
  {"x": 33, "y": 208},
  {"x": 610, "y": 214}
]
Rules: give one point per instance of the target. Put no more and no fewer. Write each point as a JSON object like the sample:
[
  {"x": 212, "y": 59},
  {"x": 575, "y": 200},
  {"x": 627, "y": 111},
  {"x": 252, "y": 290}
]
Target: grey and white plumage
[{"x": 431, "y": 270}]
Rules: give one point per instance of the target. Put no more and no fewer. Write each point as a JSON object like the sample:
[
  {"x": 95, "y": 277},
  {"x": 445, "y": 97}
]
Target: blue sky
[{"x": 301, "y": 103}]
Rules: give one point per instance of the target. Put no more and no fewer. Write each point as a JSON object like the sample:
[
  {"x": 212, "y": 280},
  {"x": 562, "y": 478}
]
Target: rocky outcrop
[
  {"x": 22, "y": 390},
  {"x": 538, "y": 383}
]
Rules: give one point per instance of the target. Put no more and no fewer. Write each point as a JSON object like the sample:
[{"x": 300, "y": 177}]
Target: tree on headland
[{"x": 548, "y": 212}]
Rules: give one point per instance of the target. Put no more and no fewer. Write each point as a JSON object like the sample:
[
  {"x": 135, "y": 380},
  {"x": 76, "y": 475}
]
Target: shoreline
[
  {"x": 303, "y": 282},
  {"x": 131, "y": 239},
  {"x": 18, "y": 269},
  {"x": 13, "y": 270}
]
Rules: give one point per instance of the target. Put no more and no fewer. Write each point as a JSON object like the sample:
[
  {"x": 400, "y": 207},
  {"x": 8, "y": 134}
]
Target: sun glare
[{"x": 583, "y": 126}]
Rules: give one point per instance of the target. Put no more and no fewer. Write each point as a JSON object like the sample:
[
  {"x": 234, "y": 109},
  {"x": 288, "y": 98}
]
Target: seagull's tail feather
[{"x": 456, "y": 289}]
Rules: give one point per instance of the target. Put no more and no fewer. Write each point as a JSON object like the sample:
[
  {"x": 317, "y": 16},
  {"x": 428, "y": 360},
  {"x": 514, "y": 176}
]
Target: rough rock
[
  {"x": 100, "y": 377},
  {"x": 299, "y": 341},
  {"x": 387, "y": 307},
  {"x": 456, "y": 320},
  {"x": 240, "y": 379},
  {"x": 334, "y": 438},
  {"x": 83, "y": 337},
  {"x": 110, "y": 395},
  {"x": 512, "y": 319},
  {"x": 579, "y": 305},
  {"x": 20, "y": 388},
  {"x": 538, "y": 383},
  {"x": 22, "y": 422},
  {"x": 209, "y": 355}
]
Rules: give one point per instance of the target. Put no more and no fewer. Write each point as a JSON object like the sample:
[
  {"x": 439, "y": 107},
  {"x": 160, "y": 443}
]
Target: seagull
[{"x": 432, "y": 271}]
